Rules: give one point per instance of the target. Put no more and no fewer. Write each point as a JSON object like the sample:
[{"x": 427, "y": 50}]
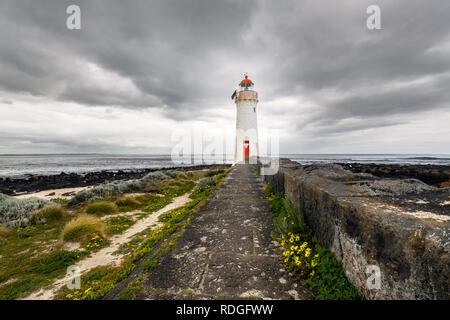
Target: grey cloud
[{"x": 185, "y": 56}]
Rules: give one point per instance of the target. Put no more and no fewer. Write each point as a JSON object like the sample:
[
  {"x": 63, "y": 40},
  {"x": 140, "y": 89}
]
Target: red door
[{"x": 246, "y": 151}]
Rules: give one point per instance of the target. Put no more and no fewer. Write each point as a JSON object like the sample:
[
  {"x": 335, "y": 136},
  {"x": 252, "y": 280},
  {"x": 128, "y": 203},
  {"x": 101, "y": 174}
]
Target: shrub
[
  {"x": 155, "y": 175},
  {"x": 50, "y": 213},
  {"x": 172, "y": 173},
  {"x": 182, "y": 176},
  {"x": 127, "y": 204},
  {"x": 206, "y": 182},
  {"x": 151, "y": 186},
  {"x": 101, "y": 208},
  {"x": 108, "y": 190},
  {"x": 16, "y": 213},
  {"x": 83, "y": 228},
  {"x": 288, "y": 217}
]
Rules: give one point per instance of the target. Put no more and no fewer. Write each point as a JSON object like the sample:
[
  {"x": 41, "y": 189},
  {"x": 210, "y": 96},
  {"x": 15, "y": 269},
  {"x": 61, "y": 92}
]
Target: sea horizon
[{"x": 23, "y": 165}]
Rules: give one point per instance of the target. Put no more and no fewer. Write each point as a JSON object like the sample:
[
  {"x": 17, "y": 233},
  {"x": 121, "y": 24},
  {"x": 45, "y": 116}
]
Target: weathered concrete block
[{"x": 361, "y": 219}]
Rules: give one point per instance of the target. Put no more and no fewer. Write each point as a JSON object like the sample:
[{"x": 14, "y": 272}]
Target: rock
[{"x": 64, "y": 180}]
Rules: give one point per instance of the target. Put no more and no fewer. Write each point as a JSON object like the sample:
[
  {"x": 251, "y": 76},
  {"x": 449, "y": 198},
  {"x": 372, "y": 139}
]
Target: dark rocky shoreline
[
  {"x": 435, "y": 175},
  {"x": 35, "y": 183}
]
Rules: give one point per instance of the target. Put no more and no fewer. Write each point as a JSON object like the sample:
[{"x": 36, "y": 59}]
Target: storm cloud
[{"x": 323, "y": 77}]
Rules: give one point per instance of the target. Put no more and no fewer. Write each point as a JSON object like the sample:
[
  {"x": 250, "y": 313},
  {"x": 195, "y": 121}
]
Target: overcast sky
[{"x": 138, "y": 70}]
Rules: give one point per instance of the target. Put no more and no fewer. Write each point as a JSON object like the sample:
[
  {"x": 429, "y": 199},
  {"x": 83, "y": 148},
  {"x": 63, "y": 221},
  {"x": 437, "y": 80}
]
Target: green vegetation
[
  {"x": 105, "y": 191},
  {"x": 96, "y": 283},
  {"x": 27, "y": 264},
  {"x": 101, "y": 208},
  {"x": 99, "y": 281},
  {"x": 50, "y": 213},
  {"x": 129, "y": 293},
  {"x": 4, "y": 232},
  {"x": 126, "y": 204},
  {"x": 119, "y": 224},
  {"x": 304, "y": 256},
  {"x": 175, "y": 188},
  {"x": 206, "y": 182},
  {"x": 33, "y": 256},
  {"x": 152, "y": 202},
  {"x": 19, "y": 212},
  {"x": 83, "y": 228}
]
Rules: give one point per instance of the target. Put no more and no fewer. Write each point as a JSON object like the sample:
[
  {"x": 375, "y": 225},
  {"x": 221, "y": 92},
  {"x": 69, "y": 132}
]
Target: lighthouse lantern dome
[{"x": 246, "y": 84}]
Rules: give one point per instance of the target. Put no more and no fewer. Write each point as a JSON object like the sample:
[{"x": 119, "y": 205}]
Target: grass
[
  {"x": 101, "y": 208},
  {"x": 27, "y": 264},
  {"x": 4, "y": 232},
  {"x": 117, "y": 225},
  {"x": 83, "y": 228},
  {"x": 129, "y": 293},
  {"x": 51, "y": 213},
  {"x": 304, "y": 256},
  {"x": 33, "y": 257},
  {"x": 127, "y": 203},
  {"x": 99, "y": 281}
]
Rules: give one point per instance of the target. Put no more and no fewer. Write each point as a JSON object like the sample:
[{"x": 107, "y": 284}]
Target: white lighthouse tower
[{"x": 246, "y": 99}]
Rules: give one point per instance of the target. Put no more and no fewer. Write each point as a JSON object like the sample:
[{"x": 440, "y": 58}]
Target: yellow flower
[
  {"x": 286, "y": 260},
  {"x": 313, "y": 263},
  {"x": 312, "y": 273},
  {"x": 307, "y": 252}
]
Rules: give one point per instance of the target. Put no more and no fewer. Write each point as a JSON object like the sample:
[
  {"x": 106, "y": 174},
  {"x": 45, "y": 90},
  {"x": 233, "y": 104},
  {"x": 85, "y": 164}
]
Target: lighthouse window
[{"x": 254, "y": 109}]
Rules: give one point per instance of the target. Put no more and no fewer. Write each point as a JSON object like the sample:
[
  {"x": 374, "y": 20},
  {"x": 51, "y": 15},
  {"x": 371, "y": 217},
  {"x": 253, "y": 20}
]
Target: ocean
[{"x": 19, "y": 166}]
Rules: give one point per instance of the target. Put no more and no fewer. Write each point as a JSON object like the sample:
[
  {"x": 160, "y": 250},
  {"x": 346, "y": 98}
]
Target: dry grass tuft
[{"x": 83, "y": 228}]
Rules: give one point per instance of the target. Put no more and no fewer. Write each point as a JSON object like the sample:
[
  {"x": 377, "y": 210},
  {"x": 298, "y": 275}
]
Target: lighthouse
[{"x": 246, "y": 99}]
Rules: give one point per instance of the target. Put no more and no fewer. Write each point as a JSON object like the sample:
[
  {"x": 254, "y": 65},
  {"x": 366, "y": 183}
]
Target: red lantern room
[{"x": 246, "y": 83}]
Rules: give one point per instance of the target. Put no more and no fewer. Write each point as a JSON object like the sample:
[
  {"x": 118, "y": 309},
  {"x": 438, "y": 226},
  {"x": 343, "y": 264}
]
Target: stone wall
[{"x": 354, "y": 219}]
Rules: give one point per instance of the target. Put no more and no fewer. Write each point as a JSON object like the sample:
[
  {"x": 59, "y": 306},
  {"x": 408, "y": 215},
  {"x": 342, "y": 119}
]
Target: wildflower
[
  {"x": 312, "y": 273},
  {"x": 307, "y": 252},
  {"x": 313, "y": 263}
]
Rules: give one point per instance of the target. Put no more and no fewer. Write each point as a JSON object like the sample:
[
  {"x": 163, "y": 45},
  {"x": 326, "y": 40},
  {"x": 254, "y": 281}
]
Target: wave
[{"x": 426, "y": 158}]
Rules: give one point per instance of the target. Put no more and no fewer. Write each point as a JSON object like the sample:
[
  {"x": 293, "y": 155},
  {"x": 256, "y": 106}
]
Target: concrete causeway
[{"x": 227, "y": 252}]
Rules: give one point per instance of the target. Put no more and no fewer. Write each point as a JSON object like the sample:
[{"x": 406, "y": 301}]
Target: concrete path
[{"x": 227, "y": 252}]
